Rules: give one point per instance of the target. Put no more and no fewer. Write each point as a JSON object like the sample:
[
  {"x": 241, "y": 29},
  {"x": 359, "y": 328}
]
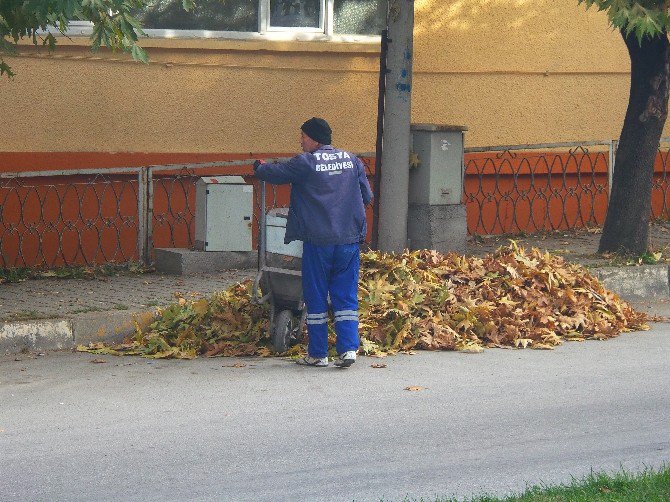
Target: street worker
[{"x": 329, "y": 192}]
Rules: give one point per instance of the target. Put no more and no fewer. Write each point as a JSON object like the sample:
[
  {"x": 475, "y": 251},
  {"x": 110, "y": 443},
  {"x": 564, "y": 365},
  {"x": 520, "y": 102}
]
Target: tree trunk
[{"x": 626, "y": 228}]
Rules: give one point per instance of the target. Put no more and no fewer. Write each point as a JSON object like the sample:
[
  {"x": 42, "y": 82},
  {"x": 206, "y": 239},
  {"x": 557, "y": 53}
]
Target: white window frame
[{"x": 265, "y": 31}]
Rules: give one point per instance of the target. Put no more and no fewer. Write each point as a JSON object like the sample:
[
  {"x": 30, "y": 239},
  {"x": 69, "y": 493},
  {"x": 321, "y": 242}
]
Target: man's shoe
[
  {"x": 345, "y": 360},
  {"x": 319, "y": 362}
]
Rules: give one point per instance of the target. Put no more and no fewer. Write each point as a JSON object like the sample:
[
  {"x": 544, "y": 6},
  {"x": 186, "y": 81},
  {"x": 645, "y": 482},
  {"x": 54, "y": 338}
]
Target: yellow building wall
[
  {"x": 513, "y": 71},
  {"x": 519, "y": 71}
]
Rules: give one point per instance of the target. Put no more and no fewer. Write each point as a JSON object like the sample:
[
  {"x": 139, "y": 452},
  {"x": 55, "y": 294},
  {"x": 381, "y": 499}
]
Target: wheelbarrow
[{"x": 279, "y": 278}]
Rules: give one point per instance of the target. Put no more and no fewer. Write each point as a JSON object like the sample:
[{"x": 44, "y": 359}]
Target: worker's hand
[{"x": 257, "y": 163}]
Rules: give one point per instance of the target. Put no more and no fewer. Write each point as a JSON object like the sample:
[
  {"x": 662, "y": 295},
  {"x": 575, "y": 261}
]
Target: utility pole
[{"x": 394, "y": 184}]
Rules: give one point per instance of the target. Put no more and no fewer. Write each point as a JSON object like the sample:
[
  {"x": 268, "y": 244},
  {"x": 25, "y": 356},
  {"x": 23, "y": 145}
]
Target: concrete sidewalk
[{"x": 44, "y": 314}]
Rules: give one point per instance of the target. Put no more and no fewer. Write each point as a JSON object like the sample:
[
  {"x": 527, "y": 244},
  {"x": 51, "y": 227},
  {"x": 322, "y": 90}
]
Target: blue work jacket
[{"x": 329, "y": 192}]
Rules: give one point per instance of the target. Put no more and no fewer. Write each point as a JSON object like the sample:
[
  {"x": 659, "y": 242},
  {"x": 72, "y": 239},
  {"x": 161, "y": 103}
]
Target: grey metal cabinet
[{"x": 223, "y": 214}]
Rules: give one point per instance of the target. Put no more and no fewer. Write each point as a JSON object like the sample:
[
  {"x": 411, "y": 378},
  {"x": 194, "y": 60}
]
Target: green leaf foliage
[
  {"x": 39, "y": 21},
  {"x": 643, "y": 18}
]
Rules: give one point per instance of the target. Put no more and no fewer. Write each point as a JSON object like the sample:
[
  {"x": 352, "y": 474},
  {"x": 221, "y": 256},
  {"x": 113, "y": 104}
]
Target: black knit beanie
[{"x": 318, "y": 129}]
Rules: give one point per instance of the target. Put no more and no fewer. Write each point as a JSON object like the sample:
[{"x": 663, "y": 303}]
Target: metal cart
[{"x": 279, "y": 277}]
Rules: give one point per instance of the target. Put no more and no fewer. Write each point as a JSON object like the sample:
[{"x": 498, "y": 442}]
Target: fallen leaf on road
[
  {"x": 415, "y": 388},
  {"x": 378, "y": 365},
  {"x": 236, "y": 365},
  {"x": 98, "y": 361}
]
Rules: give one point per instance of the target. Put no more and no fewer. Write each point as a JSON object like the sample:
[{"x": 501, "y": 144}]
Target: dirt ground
[{"x": 579, "y": 246}]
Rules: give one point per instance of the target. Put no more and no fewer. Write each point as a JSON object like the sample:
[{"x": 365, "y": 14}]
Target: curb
[
  {"x": 630, "y": 283},
  {"x": 47, "y": 334},
  {"x": 61, "y": 334},
  {"x": 636, "y": 283}
]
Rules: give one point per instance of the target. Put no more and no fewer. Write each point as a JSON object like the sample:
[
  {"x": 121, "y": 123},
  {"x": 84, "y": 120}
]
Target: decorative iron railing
[
  {"x": 660, "y": 191},
  {"x": 531, "y": 188},
  {"x": 69, "y": 217},
  {"x": 97, "y": 216}
]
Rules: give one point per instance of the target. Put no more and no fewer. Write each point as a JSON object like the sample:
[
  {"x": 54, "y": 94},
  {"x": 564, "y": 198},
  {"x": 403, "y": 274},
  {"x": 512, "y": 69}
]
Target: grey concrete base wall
[
  {"x": 184, "y": 261},
  {"x": 443, "y": 228},
  {"x": 635, "y": 283}
]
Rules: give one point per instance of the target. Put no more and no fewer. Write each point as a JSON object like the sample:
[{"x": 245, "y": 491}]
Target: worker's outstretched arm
[{"x": 292, "y": 171}]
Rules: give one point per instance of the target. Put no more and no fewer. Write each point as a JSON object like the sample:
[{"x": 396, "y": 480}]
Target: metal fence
[
  {"x": 549, "y": 186},
  {"x": 97, "y": 216},
  {"x": 541, "y": 187},
  {"x": 69, "y": 217},
  {"x": 660, "y": 191}
]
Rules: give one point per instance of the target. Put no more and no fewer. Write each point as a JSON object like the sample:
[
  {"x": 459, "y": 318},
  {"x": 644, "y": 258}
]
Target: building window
[
  {"x": 251, "y": 18},
  {"x": 210, "y": 15},
  {"x": 359, "y": 17},
  {"x": 289, "y": 14}
]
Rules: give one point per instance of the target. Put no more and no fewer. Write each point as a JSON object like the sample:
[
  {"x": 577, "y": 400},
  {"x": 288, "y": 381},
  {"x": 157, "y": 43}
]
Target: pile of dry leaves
[{"x": 422, "y": 300}]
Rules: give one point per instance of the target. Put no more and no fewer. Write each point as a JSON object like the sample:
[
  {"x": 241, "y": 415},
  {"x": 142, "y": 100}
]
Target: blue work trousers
[{"x": 334, "y": 270}]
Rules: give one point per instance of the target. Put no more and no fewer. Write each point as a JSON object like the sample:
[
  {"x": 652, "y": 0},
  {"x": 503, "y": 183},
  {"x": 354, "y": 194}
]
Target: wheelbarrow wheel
[{"x": 282, "y": 330}]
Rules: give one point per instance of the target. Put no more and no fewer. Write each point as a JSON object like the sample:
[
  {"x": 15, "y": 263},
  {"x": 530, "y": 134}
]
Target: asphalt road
[{"x": 131, "y": 429}]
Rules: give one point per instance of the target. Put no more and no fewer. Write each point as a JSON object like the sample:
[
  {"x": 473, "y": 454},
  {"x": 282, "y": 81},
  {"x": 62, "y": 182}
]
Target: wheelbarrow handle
[{"x": 255, "y": 295}]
